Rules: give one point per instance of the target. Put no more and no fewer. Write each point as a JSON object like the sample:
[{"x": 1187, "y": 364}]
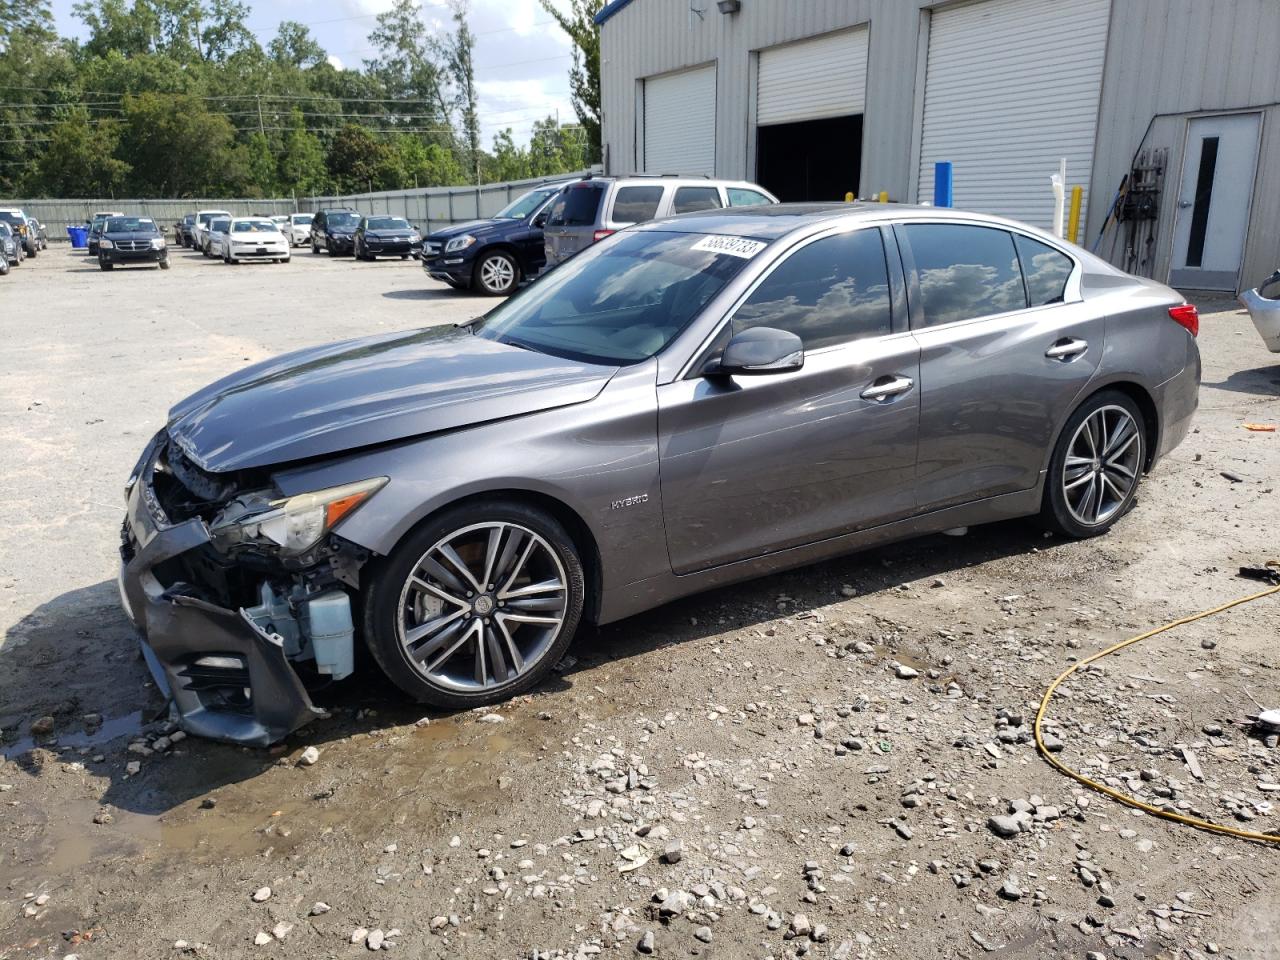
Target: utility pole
[{"x": 261, "y": 129}]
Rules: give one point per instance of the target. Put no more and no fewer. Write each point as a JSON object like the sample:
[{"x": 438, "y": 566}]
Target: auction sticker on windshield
[{"x": 733, "y": 246}]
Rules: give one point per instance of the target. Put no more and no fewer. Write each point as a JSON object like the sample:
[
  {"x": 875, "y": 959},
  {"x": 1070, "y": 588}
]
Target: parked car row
[
  {"x": 28, "y": 232},
  {"x": 550, "y": 224}
]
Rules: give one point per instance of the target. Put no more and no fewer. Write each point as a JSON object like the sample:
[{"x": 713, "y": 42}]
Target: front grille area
[{"x": 133, "y": 246}]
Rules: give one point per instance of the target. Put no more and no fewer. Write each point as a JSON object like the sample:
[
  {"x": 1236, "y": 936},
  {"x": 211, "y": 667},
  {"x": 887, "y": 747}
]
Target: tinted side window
[
  {"x": 689, "y": 199},
  {"x": 634, "y": 204},
  {"x": 742, "y": 197},
  {"x": 1046, "y": 270},
  {"x": 832, "y": 291},
  {"x": 577, "y": 207},
  {"x": 965, "y": 272}
]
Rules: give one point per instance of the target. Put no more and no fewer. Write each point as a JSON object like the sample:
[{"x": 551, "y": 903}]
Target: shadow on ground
[{"x": 77, "y": 655}]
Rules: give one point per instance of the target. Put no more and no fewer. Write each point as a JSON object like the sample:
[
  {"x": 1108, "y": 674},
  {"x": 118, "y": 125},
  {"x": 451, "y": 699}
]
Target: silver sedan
[{"x": 692, "y": 402}]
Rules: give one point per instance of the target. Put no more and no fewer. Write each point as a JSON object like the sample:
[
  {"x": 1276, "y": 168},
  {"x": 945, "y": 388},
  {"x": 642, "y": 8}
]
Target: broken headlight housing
[{"x": 289, "y": 525}]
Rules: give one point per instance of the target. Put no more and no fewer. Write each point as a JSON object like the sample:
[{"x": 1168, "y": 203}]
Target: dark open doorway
[{"x": 811, "y": 159}]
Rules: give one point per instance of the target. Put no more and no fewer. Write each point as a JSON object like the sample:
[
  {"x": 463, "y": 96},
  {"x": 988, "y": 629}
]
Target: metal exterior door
[
  {"x": 1218, "y": 166},
  {"x": 680, "y": 122}
]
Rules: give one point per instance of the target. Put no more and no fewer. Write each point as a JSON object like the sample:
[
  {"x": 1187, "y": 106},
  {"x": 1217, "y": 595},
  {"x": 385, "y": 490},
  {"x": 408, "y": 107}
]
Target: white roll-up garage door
[
  {"x": 680, "y": 122},
  {"x": 1012, "y": 87},
  {"x": 823, "y": 77}
]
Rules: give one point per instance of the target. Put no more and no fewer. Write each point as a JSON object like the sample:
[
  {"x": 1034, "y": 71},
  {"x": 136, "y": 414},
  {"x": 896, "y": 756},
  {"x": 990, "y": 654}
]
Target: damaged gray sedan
[{"x": 689, "y": 403}]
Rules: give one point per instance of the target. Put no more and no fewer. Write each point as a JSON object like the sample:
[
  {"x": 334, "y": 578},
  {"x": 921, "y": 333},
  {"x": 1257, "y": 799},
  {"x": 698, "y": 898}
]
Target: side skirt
[{"x": 633, "y": 598}]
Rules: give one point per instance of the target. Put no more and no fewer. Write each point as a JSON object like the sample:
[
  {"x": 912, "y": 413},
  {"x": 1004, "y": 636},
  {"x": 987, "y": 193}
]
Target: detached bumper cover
[
  {"x": 1266, "y": 317},
  {"x": 197, "y": 649}
]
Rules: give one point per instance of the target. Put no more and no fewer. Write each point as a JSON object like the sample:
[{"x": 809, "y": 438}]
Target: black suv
[
  {"x": 492, "y": 256},
  {"x": 333, "y": 230},
  {"x": 131, "y": 240}
]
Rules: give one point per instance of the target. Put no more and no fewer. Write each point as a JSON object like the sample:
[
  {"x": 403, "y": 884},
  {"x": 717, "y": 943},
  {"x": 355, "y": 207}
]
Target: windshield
[
  {"x": 343, "y": 219},
  {"x": 205, "y": 218},
  {"x": 10, "y": 218},
  {"x": 620, "y": 302},
  {"x": 4, "y": 230},
  {"x": 521, "y": 208},
  {"x": 219, "y": 226},
  {"x": 130, "y": 225},
  {"x": 302, "y": 220},
  {"x": 254, "y": 226},
  {"x": 387, "y": 223}
]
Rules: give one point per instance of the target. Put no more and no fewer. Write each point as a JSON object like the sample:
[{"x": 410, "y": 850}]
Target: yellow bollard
[
  {"x": 884, "y": 196},
  {"x": 1073, "y": 220},
  {"x": 848, "y": 197}
]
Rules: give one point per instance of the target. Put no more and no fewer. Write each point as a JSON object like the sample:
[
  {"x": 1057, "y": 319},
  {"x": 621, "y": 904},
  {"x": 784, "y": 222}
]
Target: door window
[
  {"x": 742, "y": 197},
  {"x": 833, "y": 290},
  {"x": 965, "y": 272},
  {"x": 689, "y": 199},
  {"x": 576, "y": 207},
  {"x": 1046, "y": 270},
  {"x": 634, "y": 204}
]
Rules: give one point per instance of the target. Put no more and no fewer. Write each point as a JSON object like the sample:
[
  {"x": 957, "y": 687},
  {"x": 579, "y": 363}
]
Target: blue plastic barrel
[
  {"x": 79, "y": 237},
  {"x": 942, "y": 184}
]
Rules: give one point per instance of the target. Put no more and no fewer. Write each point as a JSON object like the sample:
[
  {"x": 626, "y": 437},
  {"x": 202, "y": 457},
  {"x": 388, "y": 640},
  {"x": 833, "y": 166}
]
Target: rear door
[
  {"x": 1006, "y": 346},
  {"x": 573, "y": 220},
  {"x": 751, "y": 465}
]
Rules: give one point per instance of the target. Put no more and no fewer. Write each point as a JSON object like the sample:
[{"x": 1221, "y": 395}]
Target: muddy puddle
[{"x": 214, "y": 803}]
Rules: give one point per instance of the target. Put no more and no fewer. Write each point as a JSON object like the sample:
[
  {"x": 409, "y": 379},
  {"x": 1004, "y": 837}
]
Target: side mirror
[
  {"x": 540, "y": 220},
  {"x": 760, "y": 351}
]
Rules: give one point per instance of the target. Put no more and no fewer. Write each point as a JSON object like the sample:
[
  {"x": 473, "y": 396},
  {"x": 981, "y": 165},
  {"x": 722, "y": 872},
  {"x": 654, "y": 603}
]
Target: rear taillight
[
  {"x": 600, "y": 235},
  {"x": 1187, "y": 316}
]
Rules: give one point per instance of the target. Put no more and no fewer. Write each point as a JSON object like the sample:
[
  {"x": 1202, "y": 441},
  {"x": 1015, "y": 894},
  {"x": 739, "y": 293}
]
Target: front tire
[
  {"x": 475, "y": 605},
  {"x": 164, "y": 264},
  {"x": 105, "y": 265},
  {"x": 1096, "y": 466},
  {"x": 497, "y": 274}
]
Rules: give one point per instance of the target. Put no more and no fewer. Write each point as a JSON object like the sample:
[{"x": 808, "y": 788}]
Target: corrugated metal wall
[
  {"x": 429, "y": 208},
  {"x": 1163, "y": 57}
]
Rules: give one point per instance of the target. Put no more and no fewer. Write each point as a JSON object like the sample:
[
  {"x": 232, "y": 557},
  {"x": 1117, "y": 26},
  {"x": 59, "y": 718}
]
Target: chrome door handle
[
  {"x": 886, "y": 388},
  {"x": 1067, "y": 349}
]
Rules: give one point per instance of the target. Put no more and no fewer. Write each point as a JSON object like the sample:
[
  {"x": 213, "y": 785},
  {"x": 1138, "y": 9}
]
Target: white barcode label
[{"x": 733, "y": 246}]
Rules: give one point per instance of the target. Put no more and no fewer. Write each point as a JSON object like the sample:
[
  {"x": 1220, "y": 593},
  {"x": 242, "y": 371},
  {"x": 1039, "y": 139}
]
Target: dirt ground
[{"x": 804, "y": 765}]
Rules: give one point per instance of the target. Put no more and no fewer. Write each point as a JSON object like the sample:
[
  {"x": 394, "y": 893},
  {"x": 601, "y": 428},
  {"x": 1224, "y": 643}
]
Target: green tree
[
  {"x": 30, "y": 18},
  {"x": 584, "y": 76},
  {"x": 79, "y": 159},
  {"x": 407, "y": 64},
  {"x": 458, "y": 50},
  {"x": 509, "y": 161},
  {"x": 301, "y": 166},
  {"x": 294, "y": 46},
  {"x": 358, "y": 161},
  {"x": 177, "y": 147},
  {"x": 422, "y": 164}
]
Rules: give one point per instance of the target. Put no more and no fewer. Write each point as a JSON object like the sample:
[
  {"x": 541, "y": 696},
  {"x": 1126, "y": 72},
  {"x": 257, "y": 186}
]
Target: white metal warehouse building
[{"x": 816, "y": 98}]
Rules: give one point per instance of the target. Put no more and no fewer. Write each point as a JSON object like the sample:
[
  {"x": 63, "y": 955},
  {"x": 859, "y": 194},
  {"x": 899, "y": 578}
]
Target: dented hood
[{"x": 327, "y": 400}]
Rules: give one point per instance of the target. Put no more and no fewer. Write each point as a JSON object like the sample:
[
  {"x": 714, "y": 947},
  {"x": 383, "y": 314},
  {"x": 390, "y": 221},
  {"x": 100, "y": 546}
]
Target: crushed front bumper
[{"x": 199, "y": 652}]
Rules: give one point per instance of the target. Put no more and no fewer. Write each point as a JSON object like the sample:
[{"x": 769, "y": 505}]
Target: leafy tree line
[{"x": 172, "y": 98}]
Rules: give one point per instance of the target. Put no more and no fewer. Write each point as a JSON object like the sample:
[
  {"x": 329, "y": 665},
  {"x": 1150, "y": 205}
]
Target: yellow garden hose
[{"x": 1116, "y": 794}]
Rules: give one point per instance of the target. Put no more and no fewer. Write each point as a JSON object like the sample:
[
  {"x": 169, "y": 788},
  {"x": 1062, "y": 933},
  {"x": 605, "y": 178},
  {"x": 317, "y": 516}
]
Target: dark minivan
[{"x": 492, "y": 256}]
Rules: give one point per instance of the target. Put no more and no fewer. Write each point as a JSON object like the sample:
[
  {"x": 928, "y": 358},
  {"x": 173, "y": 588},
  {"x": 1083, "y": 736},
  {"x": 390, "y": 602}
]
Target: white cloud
[{"x": 335, "y": 62}]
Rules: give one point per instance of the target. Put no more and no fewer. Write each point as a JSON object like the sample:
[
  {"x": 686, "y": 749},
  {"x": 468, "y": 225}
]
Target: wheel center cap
[
  {"x": 1097, "y": 465},
  {"x": 483, "y": 605}
]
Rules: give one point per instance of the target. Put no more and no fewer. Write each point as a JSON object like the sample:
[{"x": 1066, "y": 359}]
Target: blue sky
[{"x": 522, "y": 57}]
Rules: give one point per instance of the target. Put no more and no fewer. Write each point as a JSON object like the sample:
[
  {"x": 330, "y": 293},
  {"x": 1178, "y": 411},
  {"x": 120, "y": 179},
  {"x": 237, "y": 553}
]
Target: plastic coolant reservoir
[{"x": 326, "y": 620}]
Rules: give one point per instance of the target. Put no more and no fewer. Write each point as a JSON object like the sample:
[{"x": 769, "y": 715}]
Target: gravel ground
[{"x": 816, "y": 763}]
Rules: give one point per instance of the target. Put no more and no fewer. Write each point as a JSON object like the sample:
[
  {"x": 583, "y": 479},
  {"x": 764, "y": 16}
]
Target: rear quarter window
[
  {"x": 1046, "y": 269},
  {"x": 965, "y": 271},
  {"x": 742, "y": 197},
  {"x": 689, "y": 199},
  {"x": 578, "y": 206},
  {"x": 635, "y": 204}
]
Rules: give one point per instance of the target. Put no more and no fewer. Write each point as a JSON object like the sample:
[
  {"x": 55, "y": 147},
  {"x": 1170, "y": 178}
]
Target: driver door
[{"x": 755, "y": 464}]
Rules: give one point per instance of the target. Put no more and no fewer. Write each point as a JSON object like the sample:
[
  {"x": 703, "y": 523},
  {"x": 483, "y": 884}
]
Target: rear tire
[
  {"x": 1096, "y": 466},
  {"x": 520, "y": 639}
]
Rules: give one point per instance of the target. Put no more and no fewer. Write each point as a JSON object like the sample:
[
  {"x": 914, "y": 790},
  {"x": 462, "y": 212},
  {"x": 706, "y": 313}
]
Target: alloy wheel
[
  {"x": 1102, "y": 465},
  {"x": 482, "y": 607},
  {"x": 497, "y": 274}
]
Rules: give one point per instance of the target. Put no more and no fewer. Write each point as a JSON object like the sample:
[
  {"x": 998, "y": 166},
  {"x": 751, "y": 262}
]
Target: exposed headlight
[
  {"x": 157, "y": 243},
  {"x": 106, "y": 244},
  {"x": 291, "y": 525},
  {"x": 459, "y": 243}
]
